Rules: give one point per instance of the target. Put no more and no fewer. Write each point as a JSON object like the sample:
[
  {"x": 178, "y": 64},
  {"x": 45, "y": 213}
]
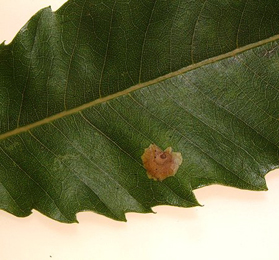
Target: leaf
[{"x": 84, "y": 90}]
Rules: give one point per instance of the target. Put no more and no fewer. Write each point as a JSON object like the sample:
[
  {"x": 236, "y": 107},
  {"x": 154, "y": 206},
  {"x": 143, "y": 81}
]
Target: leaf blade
[
  {"x": 88, "y": 157},
  {"x": 51, "y": 59}
]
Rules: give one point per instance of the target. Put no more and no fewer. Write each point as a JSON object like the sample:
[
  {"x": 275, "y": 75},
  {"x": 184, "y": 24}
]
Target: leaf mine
[{"x": 160, "y": 164}]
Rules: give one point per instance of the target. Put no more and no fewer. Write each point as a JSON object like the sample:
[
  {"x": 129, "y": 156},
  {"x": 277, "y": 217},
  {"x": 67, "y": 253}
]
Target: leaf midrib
[{"x": 95, "y": 102}]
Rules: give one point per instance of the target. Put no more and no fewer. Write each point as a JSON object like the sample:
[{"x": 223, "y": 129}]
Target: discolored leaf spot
[{"x": 160, "y": 164}]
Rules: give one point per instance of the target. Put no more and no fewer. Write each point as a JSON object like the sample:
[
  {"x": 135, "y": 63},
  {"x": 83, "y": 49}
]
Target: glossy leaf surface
[{"x": 85, "y": 89}]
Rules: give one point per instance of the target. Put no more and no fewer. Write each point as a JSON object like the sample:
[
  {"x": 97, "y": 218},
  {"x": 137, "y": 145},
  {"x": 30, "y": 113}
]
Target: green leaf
[{"x": 84, "y": 90}]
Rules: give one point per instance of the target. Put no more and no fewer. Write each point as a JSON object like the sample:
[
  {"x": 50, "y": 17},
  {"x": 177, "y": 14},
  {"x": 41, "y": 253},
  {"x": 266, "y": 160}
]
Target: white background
[{"x": 233, "y": 224}]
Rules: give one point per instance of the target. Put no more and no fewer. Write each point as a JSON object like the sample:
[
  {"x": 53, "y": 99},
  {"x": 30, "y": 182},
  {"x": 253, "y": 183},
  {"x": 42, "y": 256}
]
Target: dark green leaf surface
[{"x": 85, "y": 89}]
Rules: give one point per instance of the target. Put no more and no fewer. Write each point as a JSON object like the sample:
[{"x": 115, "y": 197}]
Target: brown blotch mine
[{"x": 160, "y": 164}]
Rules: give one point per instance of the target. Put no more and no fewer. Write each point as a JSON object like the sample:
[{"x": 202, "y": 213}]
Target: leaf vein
[
  {"x": 72, "y": 170},
  {"x": 133, "y": 88},
  {"x": 193, "y": 143}
]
